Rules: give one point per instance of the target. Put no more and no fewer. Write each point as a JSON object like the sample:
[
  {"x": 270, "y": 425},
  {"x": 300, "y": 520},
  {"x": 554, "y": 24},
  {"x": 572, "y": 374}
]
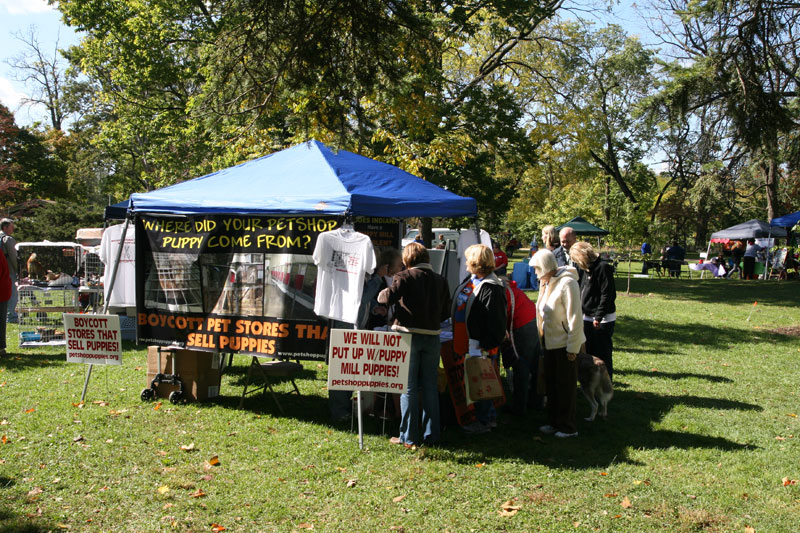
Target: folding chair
[{"x": 275, "y": 368}]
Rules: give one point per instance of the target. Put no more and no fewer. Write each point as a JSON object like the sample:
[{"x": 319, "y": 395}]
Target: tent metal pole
[
  {"x": 114, "y": 269},
  {"x": 767, "y": 269},
  {"x": 708, "y": 251}
]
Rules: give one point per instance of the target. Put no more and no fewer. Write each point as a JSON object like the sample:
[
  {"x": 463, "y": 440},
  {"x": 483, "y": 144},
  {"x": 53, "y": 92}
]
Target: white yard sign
[
  {"x": 93, "y": 339},
  {"x": 375, "y": 361}
]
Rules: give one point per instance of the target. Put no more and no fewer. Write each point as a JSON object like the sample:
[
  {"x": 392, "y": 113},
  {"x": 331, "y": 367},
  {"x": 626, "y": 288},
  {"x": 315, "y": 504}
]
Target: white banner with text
[
  {"x": 93, "y": 339},
  {"x": 375, "y": 361}
]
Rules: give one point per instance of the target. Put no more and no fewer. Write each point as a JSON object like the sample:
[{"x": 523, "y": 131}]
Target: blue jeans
[
  {"x": 422, "y": 378},
  {"x": 12, "y": 302},
  {"x": 526, "y": 368}
]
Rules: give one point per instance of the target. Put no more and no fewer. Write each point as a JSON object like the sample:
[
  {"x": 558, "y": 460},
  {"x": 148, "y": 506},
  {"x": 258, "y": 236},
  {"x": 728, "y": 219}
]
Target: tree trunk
[
  {"x": 769, "y": 169},
  {"x": 426, "y": 230}
]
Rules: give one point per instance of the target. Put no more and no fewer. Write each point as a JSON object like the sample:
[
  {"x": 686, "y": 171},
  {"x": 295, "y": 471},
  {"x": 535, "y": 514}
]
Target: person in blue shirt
[{"x": 646, "y": 253}]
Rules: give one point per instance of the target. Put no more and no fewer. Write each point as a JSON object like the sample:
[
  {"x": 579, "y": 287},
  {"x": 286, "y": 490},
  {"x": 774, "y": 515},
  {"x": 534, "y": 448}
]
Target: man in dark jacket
[{"x": 422, "y": 299}]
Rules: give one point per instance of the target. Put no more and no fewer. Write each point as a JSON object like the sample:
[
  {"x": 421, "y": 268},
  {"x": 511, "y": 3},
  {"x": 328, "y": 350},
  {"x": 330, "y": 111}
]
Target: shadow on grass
[
  {"x": 733, "y": 292},
  {"x": 632, "y": 417},
  {"x": 669, "y": 375},
  {"x": 14, "y": 523},
  {"x": 22, "y": 358},
  {"x": 36, "y": 356},
  {"x": 659, "y": 337},
  {"x": 600, "y": 443}
]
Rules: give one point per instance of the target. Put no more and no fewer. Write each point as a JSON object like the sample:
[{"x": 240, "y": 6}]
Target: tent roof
[
  {"x": 583, "y": 227},
  {"x": 308, "y": 178},
  {"x": 752, "y": 229},
  {"x": 786, "y": 221},
  {"x": 116, "y": 211}
]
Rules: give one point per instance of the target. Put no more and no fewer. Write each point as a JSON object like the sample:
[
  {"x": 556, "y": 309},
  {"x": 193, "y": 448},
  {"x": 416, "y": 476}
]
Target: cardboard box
[
  {"x": 199, "y": 371},
  {"x": 175, "y": 360}
]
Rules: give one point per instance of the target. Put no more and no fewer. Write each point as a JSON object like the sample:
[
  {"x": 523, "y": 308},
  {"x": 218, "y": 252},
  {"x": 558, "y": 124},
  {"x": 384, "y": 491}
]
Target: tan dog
[
  {"x": 595, "y": 383},
  {"x": 35, "y": 268}
]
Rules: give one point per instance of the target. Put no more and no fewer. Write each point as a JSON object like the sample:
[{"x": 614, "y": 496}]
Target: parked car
[{"x": 449, "y": 234}]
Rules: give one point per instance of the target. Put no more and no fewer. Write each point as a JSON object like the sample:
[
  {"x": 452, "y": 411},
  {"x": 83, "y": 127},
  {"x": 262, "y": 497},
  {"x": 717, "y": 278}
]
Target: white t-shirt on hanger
[
  {"x": 343, "y": 257},
  {"x": 124, "y": 291},
  {"x": 466, "y": 239}
]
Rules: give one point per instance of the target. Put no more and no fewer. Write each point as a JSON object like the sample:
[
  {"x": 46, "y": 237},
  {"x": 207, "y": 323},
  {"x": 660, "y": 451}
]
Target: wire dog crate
[{"x": 41, "y": 310}]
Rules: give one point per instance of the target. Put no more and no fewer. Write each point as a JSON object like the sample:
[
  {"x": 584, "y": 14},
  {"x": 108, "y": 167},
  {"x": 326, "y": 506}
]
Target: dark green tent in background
[{"x": 583, "y": 227}]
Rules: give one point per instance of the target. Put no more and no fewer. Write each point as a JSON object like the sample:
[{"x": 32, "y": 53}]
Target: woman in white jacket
[{"x": 560, "y": 321}]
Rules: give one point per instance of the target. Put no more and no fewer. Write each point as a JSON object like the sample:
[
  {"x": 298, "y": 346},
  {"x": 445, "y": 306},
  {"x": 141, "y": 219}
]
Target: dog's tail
[{"x": 606, "y": 388}]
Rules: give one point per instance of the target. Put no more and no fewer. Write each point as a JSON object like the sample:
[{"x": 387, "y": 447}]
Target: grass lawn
[{"x": 703, "y": 434}]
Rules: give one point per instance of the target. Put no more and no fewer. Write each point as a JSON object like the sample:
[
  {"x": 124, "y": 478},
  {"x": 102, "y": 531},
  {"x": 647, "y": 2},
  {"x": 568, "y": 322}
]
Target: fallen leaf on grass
[
  {"x": 792, "y": 415},
  {"x": 340, "y": 469},
  {"x": 786, "y": 481},
  {"x": 610, "y": 495},
  {"x": 351, "y": 483},
  {"x": 626, "y": 503},
  {"x": 34, "y": 491},
  {"x": 214, "y": 461},
  {"x": 305, "y": 525},
  {"x": 78, "y": 438},
  {"x": 509, "y": 508},
  {"x": 32, "y": 409},
  {"x": 78, "y": 405},
  {"x": 163, "y": 489},
  {"x": 101, "y": 403},
  {"x": 157, "y": 406},
  {"x": 780, "y": 438},
  {"x": 749, "y": 529},
  {"x": 198, "y": 494},
  {"x": 207, "y": 477},
  {"x": 480, "y": 465},
  {"x": 603, "y": 473},
  {"x": 399, "y": 498},
  {"x": 5, "y": 439},
  {"x": 188, "y": 447},
  {"x": 217, "y": 527}
]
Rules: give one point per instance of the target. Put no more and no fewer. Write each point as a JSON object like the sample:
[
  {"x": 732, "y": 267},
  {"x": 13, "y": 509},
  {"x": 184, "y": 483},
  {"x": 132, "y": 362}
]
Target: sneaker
[
  {"x": 476, "y": 428},
  {"x": 562, "y": 435},
  {"x": 547, "y": 429}
]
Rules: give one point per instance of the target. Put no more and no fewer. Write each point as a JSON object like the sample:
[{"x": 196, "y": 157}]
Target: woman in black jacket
[
  {"x": 598, "y": 301},
  {"x": 479, "y": 321}
]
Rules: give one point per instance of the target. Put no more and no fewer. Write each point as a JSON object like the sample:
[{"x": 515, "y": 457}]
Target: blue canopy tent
[
  {"x": 116, "y": 211},
  {"x": 786, "y": 221},
  {"x": 308, "y": 178}
]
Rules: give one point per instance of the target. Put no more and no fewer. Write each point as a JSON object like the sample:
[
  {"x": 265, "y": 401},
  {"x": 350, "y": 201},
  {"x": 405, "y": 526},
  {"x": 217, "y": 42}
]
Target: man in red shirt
[
  {"x": 500, "y": 260},
  {"x": 521, "y": 349}
]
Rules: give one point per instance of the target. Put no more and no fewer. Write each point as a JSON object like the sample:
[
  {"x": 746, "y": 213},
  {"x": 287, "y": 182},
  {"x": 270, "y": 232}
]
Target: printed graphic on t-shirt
[{"x": 345, "y": 262}]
